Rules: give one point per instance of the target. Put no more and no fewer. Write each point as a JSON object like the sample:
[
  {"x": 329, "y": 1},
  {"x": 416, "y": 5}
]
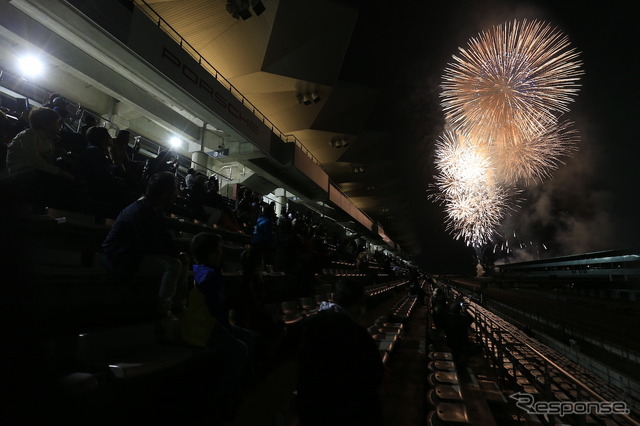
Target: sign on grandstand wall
[{"x": 163, "y": 53}]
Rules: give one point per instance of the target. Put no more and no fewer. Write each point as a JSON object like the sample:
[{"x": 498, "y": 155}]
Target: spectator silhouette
[
  {"x": 287, "y": 247},
  {"x": 31, "y": 160},
  {"x": 188, "y": 179},
  {"x": 48, "y": 102},
  {"x": 262, "y": 237},
  {"x": 212, "y": 185},
  {"x": 95, "y": 167},
  {"x": 89, "y": 122},
  {"x": 340, "y": 368},
  {"x": 140, "y": 245},
  {"x": 119, "y": 147},
  {"x": 232, "y": 342}
]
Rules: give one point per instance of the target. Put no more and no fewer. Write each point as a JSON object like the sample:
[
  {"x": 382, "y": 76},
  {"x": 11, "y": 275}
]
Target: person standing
[{"x": 339, "y": 365}]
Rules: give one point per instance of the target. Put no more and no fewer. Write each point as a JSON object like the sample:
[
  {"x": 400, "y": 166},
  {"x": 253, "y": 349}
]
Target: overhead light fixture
[
  {"x": 339, "y": 142},
  {"x": 239, "y": 9},
  {"x": 307, "y": 98},
  {"x": 258, "y": 7}
]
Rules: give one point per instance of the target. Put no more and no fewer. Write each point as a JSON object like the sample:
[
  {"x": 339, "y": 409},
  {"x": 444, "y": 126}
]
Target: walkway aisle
[{"x": 403, "y": 400}]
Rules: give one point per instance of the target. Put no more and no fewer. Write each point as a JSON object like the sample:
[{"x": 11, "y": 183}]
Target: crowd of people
[{"x": 43, "y": 155}]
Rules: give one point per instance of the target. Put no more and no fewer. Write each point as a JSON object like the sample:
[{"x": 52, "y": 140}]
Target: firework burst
[
  {"x": 511, "y": 79},
  {"x": 502, "y": 97},
  {"x": 535, "y": 157},
  {"x": 461, "y": 164},
  {"x": 475, "y": 214},
  {"x": 475, "y": 206}
]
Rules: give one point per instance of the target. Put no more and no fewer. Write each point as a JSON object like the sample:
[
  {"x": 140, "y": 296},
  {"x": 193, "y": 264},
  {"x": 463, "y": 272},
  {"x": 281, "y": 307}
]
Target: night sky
[{"x": 591, "y": 203}]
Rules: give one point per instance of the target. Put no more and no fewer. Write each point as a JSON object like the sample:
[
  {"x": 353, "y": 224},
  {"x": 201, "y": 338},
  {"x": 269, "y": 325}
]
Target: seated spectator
[
  {"x": 262, "y": 237},
  {"x": 48, "y": 102},
  {"x": 118, "y": 150},
  {"x": 31, "y": 155},
  {"x": 232, "y": 342},
  {"x": 251, "y": 289},
  {"x": 188, "y": 179},
  {"x": 89, "y": 122},
  {"x": 59, "y": 105},
  {"x": 95, "y": 168},
  {"x": 212, "y": 185},
  {"x": 339, "y": 364},
  {"x": 140, "y": 245},
  {"x": 287, "y": 247},
  {"x": 166, "y": 161},
  {"x": 197, "y": 193}
]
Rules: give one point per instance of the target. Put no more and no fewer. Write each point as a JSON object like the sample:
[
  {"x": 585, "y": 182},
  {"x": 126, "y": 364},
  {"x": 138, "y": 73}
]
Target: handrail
[
  {"x": 479, "y": 310},
  {"x": 163, "y": 24}
]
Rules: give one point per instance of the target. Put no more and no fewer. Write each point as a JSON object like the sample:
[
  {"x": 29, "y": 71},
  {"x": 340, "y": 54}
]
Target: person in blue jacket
[{"x": 232, "y": 342}]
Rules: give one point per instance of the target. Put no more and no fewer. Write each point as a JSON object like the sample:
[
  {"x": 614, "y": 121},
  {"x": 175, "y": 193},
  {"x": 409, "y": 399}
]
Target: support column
[
  {"x": 200, "y": 162},
  {"x": 281, "y": 199}
]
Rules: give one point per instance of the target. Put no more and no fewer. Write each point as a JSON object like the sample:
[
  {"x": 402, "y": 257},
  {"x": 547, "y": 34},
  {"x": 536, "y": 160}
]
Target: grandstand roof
[
  {"x": 376, "y": 67},
  {"x": 598, "y": 255}
]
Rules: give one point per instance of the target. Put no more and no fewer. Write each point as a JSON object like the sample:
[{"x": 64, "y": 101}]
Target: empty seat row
[
  {"x": 381, "y": 288},
  {"x": 444, "y": 398},
  {"x": 386, "y": 334},
  {"x": 402, "y": 309},
  {"x": 527, "y": 360}
]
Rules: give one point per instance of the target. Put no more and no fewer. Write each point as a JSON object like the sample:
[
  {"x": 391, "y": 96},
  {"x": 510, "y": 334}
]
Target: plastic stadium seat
[
  {"x": 129, "y": 351},
  {"x": 79, "y": 383},
  {"x": 452, "y": 413},
  {"x": 441, "y": 366},
  {"x": 443, "y": 377},
  {"x": 290, "y": 307},
  {"x": 441, "y": 356},
  {"x": 448, "y": 392},
  {"x": 308, "y": 303}
]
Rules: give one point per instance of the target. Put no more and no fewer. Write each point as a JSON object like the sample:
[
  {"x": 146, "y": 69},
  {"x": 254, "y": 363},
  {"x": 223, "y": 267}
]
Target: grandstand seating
[
  {"x": 107, "y": 324},
  {"x": 534, "y": 368}
]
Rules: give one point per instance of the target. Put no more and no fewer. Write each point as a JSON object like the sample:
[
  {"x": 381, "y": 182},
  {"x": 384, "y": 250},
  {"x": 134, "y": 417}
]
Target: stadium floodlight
[
  {"x": 30, "y": 66},
  {"x": 175, "y": 142}
]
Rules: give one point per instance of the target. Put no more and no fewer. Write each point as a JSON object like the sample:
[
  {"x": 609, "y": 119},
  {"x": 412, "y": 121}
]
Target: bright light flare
[
  {"x": 175, "y": 142},
  {"x": 30, "y": 66}
]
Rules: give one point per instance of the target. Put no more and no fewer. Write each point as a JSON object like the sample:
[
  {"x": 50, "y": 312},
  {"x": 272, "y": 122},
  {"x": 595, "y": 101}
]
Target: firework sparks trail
[
  {"x": 502, "y": 98},
  {"x": 535, "y": 157}
]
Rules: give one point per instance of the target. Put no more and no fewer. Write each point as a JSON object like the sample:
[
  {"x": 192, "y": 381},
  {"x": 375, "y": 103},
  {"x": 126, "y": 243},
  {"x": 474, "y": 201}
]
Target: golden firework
[{"x": 512, "y": 79}]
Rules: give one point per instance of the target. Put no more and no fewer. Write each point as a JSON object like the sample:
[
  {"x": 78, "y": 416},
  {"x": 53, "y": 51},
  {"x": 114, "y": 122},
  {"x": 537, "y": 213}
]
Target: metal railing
[
  {"x": 204, "y": 63},
  {"x": 506, "y": 344},
  {"x": 188, "y": 48}
]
